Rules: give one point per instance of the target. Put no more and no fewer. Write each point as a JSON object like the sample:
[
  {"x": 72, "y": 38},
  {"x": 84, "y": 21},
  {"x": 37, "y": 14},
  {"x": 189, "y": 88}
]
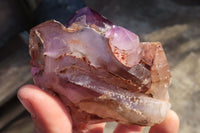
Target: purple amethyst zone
[{"x": 91, "y": 17}]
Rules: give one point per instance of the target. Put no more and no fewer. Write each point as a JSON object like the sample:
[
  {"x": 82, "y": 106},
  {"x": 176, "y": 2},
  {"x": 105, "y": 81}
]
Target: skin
[{"x": 50, "y": 116}]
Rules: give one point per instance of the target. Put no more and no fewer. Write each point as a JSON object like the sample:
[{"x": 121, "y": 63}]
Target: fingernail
[{"x": 28, "y": 107}]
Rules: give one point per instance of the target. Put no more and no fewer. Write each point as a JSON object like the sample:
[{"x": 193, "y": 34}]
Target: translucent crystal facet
[{"x": 125, "y": 45}]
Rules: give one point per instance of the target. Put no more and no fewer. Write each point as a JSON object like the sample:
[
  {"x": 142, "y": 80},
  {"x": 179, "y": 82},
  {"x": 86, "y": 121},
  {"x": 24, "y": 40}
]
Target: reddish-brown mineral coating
[{"x": 97, "y": 84}]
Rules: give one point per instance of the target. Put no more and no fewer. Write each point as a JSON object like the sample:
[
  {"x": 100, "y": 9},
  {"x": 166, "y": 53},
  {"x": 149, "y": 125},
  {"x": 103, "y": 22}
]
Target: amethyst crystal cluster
[{"x": 101, "y": 71}]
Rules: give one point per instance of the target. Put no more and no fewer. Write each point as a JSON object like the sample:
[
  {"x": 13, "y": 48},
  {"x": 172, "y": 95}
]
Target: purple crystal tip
[
  {"x": 125, "y": 45},
  {"x": 88, "y": 16}
]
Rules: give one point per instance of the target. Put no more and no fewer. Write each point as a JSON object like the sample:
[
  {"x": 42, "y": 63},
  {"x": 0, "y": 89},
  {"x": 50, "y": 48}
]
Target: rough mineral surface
[{"x": 101, "y": 71}]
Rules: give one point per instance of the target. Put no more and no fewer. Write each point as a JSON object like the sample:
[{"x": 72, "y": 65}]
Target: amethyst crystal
[
  {"x": 88, "y": 16},
  {"x": 125, "y": 45},
  {"x": 101, "y": 71}
]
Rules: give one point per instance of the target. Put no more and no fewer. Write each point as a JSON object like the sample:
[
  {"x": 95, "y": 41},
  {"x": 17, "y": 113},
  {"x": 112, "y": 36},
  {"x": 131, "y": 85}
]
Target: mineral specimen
[{"x": 101, "y": 71}]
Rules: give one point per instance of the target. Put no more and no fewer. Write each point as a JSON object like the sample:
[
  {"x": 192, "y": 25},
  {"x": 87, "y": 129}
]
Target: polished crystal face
[{"x": 101, "y": 71}]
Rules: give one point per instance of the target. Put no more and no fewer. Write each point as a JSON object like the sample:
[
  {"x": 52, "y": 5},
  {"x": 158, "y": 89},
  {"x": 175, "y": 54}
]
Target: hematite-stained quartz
[{"x": 101, "y": 71}]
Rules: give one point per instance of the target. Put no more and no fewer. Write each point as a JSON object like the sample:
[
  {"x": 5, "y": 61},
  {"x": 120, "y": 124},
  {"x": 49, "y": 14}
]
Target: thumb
[{"x": 47, "y": 112}]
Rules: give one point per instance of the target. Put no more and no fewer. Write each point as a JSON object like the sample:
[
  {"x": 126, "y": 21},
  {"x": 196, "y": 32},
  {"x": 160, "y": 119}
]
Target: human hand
[{"x": 50, "y": 116}]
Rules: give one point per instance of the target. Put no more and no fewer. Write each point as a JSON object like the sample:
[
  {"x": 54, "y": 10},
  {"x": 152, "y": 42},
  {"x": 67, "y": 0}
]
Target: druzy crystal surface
[{"x": 101, "y": 71}]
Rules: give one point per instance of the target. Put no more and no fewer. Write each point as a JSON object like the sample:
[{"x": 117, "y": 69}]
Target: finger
[
  {"x": 128, "y": 129},
  {"x": 95, "y": 128},
  {"x": 47, "y": 111},
  {"x": 169, "y": 125}
]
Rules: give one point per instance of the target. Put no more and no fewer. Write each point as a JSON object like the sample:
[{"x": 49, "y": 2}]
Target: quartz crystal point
[
  {"x": 101, "y": 71},
  {"x": 125, "y": 45}
]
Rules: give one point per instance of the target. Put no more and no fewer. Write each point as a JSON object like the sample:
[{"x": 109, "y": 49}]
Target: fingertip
[
  {"x": 47, "y": 111},
  {"x": 25, "y": 90},
  {"x": 128, "y": 128},
  {"x": 95, "y": 128},
  {"x": 25, "y": 98},
  {"x": 174, "y": 115},
  {"x": 169, "y": 125}
]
